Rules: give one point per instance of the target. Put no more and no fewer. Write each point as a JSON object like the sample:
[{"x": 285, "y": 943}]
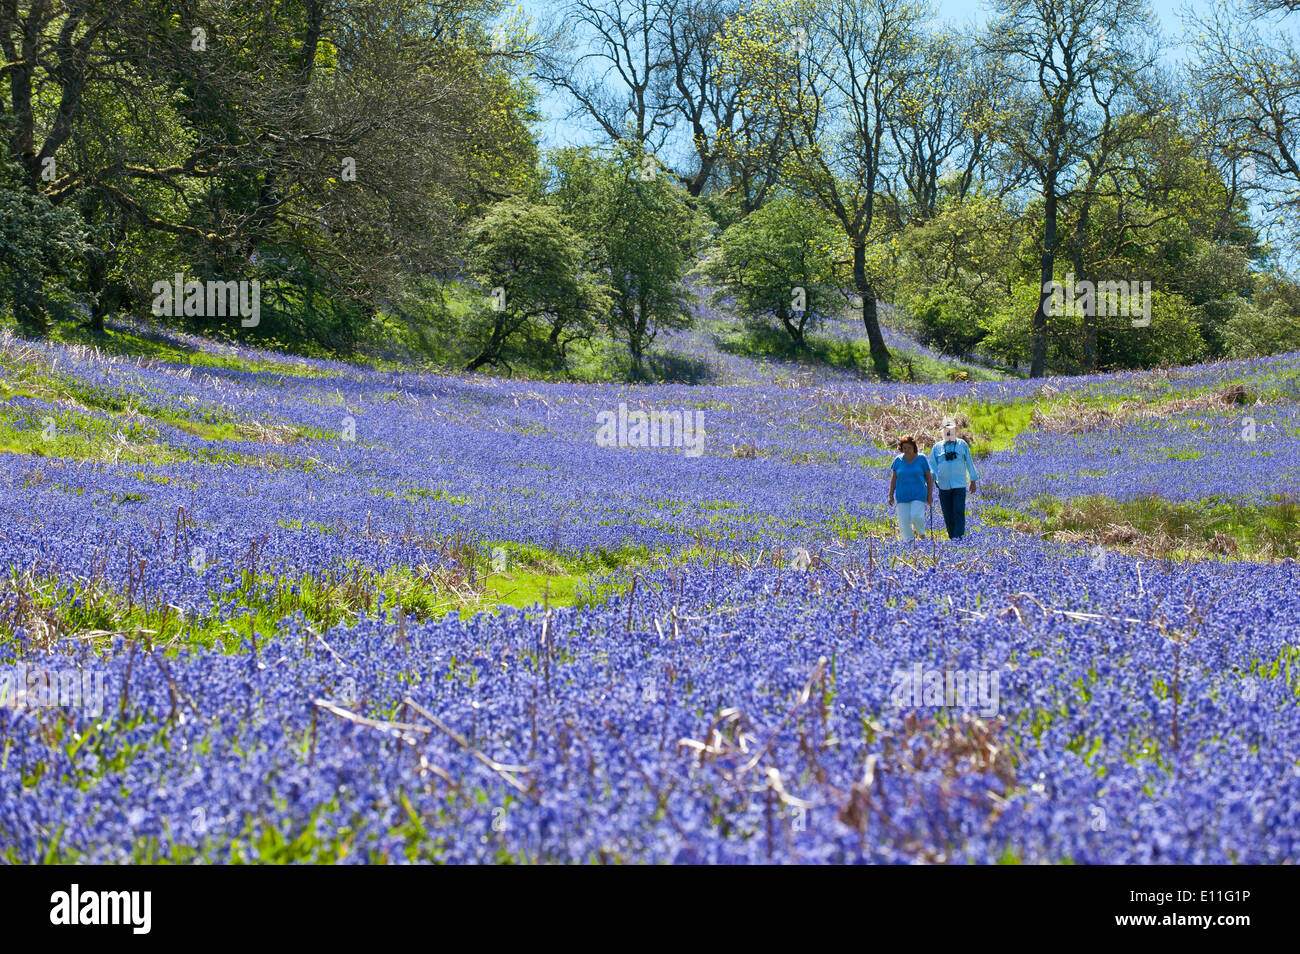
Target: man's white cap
[{"x": 949, "y": 422}]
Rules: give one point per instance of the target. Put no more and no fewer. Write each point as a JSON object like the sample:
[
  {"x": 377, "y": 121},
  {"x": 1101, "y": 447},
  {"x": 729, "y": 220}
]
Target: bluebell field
[{"x": 732, "y": 705}]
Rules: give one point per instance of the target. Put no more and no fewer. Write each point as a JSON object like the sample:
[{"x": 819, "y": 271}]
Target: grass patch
[
  {"x": 766, "y": 342},
  {"x": 60, "y": 433},
  {"x": 1214, "y": 528},
  {"x": 124, "y": 428},
  {"x": 993, "y": 426},
  {"x": 912, "y": 366},
  {"x": 846, "y": 526},
  {"x": 1076, "y": 416},
  {"x": 469, "y": 579},
  {"x": 127, "y": 344},
  {"x": 987, "y": 427}
]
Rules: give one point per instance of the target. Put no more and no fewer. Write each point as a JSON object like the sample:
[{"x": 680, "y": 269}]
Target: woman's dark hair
[{"x": 909, "y": 439}]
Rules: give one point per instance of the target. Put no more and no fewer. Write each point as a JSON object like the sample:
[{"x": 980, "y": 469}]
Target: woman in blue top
[{"x": 911, "y": 489}]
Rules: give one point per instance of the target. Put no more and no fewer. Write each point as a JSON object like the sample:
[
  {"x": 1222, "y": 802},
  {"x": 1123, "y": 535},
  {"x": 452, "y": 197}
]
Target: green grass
[
  {"x": 118, "y": 440},
  {"x": 129, "y": 345},
  {"x": 533, "y": 576},
  {"x": 849, "y": 527},
  {"x": 82, "y": 438},
  {"x": 995, "y": 427},
  {"x": 910, "y": 366},
  {"x": 765, "y": 342},
  {"x": 249, "y": 604},
  {"x": 1197, "y": 529},
  {"x": 130, "y": 429}
]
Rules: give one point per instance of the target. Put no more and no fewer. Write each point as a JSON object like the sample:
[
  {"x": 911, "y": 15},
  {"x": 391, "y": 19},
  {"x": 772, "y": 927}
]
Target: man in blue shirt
[{"x": 954, "y": 468}]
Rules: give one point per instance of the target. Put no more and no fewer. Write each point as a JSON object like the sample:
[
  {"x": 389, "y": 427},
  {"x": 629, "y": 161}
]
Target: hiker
[
  {"x": 952, "y": 464},
  {"x": 911, "y": 480}
]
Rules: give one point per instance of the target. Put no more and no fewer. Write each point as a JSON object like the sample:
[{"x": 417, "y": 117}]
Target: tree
[
  {"x": 39, "y": 242},
  {"x": 707, "y": 104},
  {"x": 609, "y": 58},
  {"x": 778, "y": 263},
  {"x": 642, "y": 234},
  {"x": 948, "y": 319},
  {"x": 647, "y": 71},
  {"x": 1251, "y": 78},
  {"x": 339, "y": 143},
  {"x": 967, "y": 249},
  {"x": 835, "y": 74},
  {"x": 942, "y": 133},
  {"x": 1163, "y": 212},
  {"x": 1269, "y": 324},
  {"x": 1073, "y": 62},
  {"x": 1172, "y": 337},
  {"x": 751, "y": 148},
  {"x": 531, "y": 263},
  {"x": 1104, "y": 174}
]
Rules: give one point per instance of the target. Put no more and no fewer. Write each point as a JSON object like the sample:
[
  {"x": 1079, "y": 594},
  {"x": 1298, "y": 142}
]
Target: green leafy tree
[
  {"x": 778, "y": 264},
  {"x": 948, "y": 319},
  {"x": 39, "y": 245},
  {"x": 531, "y": 264},
  {"x": 332, "y": 148},
  {"x": 1074, "y": 64},
  {"x": 952, "y": 271},
  {"x": 642, "y": 236},
  {"x": 833, "y": 75},
  {"x": 1163, "y": 212},
  {"x": 1268, "y": 324},
  {"x": 1172, "y": 336},
  {"x": 1007, "y": 334},
  {"x": 1247, "y": 72}
]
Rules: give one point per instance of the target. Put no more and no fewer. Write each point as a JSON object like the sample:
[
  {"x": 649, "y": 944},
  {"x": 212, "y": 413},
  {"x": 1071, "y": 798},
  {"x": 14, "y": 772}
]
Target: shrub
[
  {"x": 1268, "y": 325},
  {"x": 947, "y": 319}
]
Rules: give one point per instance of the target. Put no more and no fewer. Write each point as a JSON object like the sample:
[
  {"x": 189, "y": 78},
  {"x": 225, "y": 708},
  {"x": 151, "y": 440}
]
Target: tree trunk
[
  {"x": 29, "y": 307},
  {"x": 870, "y": 320},
  {"x": 792, "y": 328},
  {"x": 696, "y": 183},
  {"x": 1089, "y": 315},
  {"x": 1089, "y": 320},
  {"x": 492, "y": 350},
  {"x": 96, "y": 281},
  {"x": 1038, "y": 361},
  {"x": 635, "y": 340},
  {"x": 638, "y": 369}
]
